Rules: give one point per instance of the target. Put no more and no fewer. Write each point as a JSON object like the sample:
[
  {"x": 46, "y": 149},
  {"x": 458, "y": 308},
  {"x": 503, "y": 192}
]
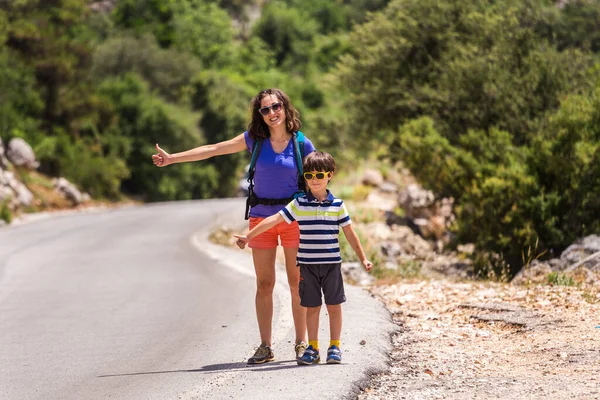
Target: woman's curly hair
[{"x": 258, "y": 129}]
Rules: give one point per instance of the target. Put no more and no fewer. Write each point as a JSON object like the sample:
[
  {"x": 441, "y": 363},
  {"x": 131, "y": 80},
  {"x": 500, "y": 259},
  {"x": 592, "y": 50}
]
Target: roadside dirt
[{"x": 490, "y": 341}]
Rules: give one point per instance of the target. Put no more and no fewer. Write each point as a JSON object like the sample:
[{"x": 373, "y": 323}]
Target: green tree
[
  {"x": 198, "y": 27},
  {"x": 289, "y": 32},
  {"x": 168, "y": 71},
  {"x": 330, "y": 15},
  {"x": 564, "y": 160},
  {"x": 204, "y": 30},
  {"x": 224, "y": 101},
  {"x": 144, "y": 120},
  {"x": 575, "y": 25},
  {"x": 47, "y": 35},
  {"x": 143, "y": 16},
  {"x": 487, "y": 176},
  {"x": 470, "y": 64},
  {"x": 20, "y": 102}
]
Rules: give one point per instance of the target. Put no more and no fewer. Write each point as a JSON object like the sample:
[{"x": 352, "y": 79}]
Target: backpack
[{"x": 252, "y": 200}]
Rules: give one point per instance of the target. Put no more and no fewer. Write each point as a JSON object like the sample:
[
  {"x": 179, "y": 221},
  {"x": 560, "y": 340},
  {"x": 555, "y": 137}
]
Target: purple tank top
[{"x": 276, "y": 175}]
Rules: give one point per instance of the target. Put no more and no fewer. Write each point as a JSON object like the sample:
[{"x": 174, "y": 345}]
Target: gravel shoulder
[{"x": 487, "y": 340}]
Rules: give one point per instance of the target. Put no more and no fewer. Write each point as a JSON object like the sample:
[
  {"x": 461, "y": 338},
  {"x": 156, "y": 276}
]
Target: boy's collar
[{"x": 311, "y": 198}]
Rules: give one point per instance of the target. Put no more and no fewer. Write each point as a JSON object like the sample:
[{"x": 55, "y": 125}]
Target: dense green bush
[
  {"x": 147, "y": 16},
  {"x": 5, "y": 212},
  {"x": 510, "y": 198},
  {"x": 168, "y": 71},
  {"x": 84, "y": 162},
  {"x": 224, "y": 100},
  {"x": 466, "y": 95},
  {"x": 205, "y": 31},
  {"x": 565, "y": 161},
  {"x": 486, "y": 175},
  {"x": 144, "y": 120},
  {"x": 468, "y": 64},
  {"x": 20, "y": 104},
  {"x": 289, "y": 32}
]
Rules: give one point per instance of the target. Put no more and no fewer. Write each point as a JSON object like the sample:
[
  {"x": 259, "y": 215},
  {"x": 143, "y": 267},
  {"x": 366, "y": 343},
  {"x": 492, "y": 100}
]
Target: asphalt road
[{"x": 135, "y": 303}]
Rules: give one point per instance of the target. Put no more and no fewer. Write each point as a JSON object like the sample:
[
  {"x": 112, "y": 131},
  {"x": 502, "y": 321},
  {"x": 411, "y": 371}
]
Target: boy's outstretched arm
[
  {"x": 264, "y": 226},
  {"x": 354, "y": 242}
]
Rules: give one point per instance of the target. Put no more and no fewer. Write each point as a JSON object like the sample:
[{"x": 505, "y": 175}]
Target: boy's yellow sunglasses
[{"x": 319, "y": 175}]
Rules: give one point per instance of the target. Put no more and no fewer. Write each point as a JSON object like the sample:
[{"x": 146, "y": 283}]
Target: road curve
[{"x": 135, "y": 303}]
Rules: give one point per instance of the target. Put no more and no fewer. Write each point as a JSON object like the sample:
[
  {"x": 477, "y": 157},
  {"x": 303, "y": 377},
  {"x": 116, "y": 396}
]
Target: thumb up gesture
[{"x": 162, "y": 158}]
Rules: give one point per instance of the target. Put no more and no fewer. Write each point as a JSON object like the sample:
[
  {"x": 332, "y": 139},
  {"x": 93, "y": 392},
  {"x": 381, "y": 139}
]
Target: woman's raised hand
[{"x": 162, "y": 158}]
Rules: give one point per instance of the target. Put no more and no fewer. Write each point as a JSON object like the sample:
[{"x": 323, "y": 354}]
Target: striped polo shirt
[{"x": 319, "y": 224}]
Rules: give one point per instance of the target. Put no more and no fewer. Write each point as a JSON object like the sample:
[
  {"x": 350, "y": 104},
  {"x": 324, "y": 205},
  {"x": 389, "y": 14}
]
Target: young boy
[{"x": 319, "y": 215}]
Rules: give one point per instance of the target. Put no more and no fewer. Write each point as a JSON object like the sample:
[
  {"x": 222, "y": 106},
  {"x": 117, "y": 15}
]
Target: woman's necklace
[{"x": 285, "y": 140}]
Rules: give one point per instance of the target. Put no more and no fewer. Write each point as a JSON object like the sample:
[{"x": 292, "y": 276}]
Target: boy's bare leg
[
  {"x": 264, "y": 266},
  {"x": 293, "y": 275},
  {"x": 312, "y": 322},
  {"x": 335, "y": 321}
]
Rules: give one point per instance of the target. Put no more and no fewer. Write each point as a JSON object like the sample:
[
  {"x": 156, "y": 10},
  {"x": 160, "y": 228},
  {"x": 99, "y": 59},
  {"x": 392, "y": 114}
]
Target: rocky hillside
[{"x": 23, "y": 189}]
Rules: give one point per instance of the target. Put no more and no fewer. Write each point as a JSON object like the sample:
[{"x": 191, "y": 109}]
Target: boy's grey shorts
[{"x": 315, "y": 278}]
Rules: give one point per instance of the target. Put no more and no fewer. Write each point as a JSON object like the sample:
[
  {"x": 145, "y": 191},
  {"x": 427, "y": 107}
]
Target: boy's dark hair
[{"x": 319, "y": 161}]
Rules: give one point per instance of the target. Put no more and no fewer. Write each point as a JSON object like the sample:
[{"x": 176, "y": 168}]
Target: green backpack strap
[
  {"x": 255, "y": 153},
  {"x": 299, "y": 150}
]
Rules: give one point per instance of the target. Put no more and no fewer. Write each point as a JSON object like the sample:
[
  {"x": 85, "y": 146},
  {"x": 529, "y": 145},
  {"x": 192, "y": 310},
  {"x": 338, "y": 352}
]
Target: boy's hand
[
  {"x": 162, "y": 158},
  {"x": 241, "y": 241},
  {"x": 368, "y": 265}
]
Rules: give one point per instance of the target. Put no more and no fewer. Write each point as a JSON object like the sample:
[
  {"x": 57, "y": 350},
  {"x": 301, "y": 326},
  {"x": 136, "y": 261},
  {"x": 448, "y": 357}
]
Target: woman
[{"x": 275, "y": 120}]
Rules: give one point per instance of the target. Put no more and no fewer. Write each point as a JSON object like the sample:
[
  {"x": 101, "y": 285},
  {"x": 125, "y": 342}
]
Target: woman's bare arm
[{"x": 235, "y": 145}]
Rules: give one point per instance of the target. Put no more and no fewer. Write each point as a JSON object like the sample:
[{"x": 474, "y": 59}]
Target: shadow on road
[{"x": 271, "y": 366}]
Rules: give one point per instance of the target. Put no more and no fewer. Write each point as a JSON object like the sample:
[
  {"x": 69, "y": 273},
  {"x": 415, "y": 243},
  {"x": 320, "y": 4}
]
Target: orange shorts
[{"x": 289, "y": 234}]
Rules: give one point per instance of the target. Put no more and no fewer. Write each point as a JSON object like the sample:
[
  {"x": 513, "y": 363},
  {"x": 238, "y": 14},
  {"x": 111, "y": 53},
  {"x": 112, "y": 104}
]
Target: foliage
[
  {"x": 205, "y": 31},
  {"x": 558, "y": 279},
  {"x": 575, "y": 26},
  {"x": 53, "y": 39},
  {"x": 20, "y": 103},
  {"x": 225, "y": 101},
  {"x": 144, "y": 120},
  {"x": 168, "y": 71},
  {"x": 564, "y": 159},
  {"x": 486, "y": 176},
  {"x": 5, "y": 211},
  {"x": 469, "y": 65},
  {"x": 361, "y": 192},
  {"x": 84, "y": 162},
  {"x": 290, "y": 33},
  {"x": 466, "y": 95},
  {"x": 196, "y": 27},
  {"x": 330, "y": 15},
  {"x": 143, "y": 16},
  {"x": 508, "y": 197}
]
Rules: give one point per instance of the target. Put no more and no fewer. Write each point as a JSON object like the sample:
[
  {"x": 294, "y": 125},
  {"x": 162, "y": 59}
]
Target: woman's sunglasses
[
  {"x": 266, "y": 110},
  {"x": 319, "y": 175}
]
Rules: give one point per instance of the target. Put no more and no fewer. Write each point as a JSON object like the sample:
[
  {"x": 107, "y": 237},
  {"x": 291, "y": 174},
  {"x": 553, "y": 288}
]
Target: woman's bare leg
[
  {"x": 293, "y": 275},
  {"x": 264, "y": 266}
]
